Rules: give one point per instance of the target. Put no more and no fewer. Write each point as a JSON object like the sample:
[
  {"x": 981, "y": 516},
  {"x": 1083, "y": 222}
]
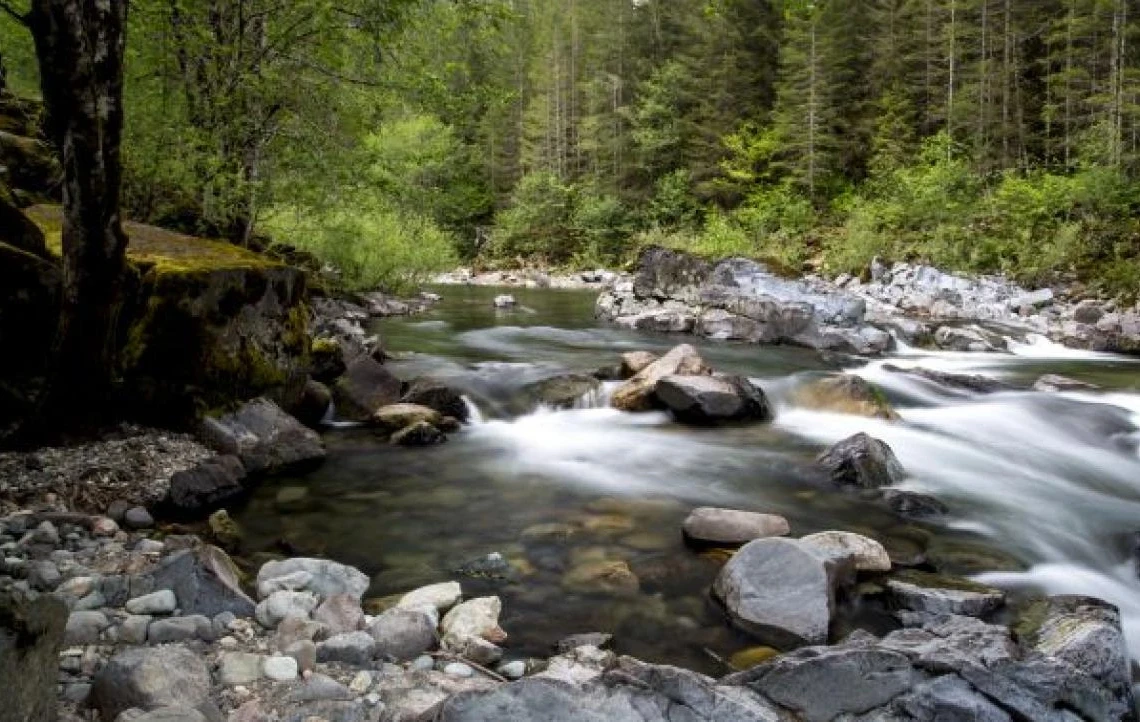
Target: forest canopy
[{"x": 394, "y": 137}]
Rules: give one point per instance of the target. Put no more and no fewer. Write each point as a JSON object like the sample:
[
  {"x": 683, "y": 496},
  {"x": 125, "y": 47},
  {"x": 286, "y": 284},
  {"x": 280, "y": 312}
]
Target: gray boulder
[
  {"x": 948, "y": 698},
  {"x": 324, "y": 577},
  {"x": 31, "y": 635},
  {"x": 365, "y": 386},
  {"x": 149, "y": 678},
  {"x": 780, "y": 591},
  {"x": 862, "y": 461},
  {"x": 205, "y": 581},
  {"x": 664, "y": 274},
  {"x": 939, "y": 594},
  {"x": 705, "y": 400},
  {"x": 819, "y": 684},
  {"x": 403, "y": 634},
  {"x": 355, "y": 648},
  {"x": 265, "y": 438},
  {"x": 208, "y": 484},
  {"x": 1085, "y": 632}
]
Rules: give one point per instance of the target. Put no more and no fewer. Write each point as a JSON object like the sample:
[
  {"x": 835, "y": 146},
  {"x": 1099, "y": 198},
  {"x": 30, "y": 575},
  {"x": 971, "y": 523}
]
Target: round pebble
[
  {"x": 422, "y": 663},
  {"x": 512, "y": 670},
  {"x": 458, "y": 669},
  {"x": 281, "y": 669}
]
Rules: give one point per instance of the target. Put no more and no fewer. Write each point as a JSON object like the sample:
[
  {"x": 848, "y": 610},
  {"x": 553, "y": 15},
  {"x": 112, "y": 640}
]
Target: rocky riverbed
[
  {"x": 738, "y": 299},
  {"x": 127, "y": 618}
]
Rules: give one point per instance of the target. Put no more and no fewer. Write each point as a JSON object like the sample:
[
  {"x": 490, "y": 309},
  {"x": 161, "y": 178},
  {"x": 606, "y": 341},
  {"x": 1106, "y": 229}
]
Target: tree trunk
[{"x": 79, "y": 44}]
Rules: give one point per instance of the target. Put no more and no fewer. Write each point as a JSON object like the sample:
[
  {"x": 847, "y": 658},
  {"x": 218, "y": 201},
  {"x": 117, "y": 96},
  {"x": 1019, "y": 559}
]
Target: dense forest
[{"x": 394, "y": 137}]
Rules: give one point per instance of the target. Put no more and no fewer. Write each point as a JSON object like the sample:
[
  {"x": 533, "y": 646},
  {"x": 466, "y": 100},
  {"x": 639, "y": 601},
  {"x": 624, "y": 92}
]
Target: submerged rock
[
  {"x": 712, "y": 399},
  {"x": 420, "y": 433},
  {"x": 862, "y": 461},
  {"x": 846, "y": 394},
  {"x": 780, "y": 591},
  {"x": 731, "y": 527},
  {"x": 1056, "y": 382}
]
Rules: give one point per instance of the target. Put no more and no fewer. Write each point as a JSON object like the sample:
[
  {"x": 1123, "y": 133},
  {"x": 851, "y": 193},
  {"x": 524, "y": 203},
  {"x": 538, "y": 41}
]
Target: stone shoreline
[{"x": 738, "y": 299}]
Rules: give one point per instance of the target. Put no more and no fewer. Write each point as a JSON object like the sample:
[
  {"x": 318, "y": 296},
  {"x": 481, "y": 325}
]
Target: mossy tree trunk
[{"x": 80, "y": 44}]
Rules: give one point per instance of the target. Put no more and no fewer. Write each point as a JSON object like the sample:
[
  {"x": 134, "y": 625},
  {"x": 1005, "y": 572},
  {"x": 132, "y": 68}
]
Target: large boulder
[
  {"x": 265, "y": 438},
  {"x": 637, "y": 393},
  {"x": 206, "y": 485},
  {"x": 705, "y": 400},
  {"x": 365, "y": 386},
  {"x": 712, "y": 526},
  {"x": 1085, "y": 632},
  {"x": 862, "y": 461},
  {"x": 31, "y": 635},
  {"x": 663, "y": 274},
  {"x": 205, "y": 581},
  {"x": 148, "y": 678},
  {"x": 780, "y": 591}
]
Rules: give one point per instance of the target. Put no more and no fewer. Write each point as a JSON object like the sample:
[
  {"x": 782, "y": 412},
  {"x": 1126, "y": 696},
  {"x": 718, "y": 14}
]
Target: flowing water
[{"x": 1043, "y": 489}]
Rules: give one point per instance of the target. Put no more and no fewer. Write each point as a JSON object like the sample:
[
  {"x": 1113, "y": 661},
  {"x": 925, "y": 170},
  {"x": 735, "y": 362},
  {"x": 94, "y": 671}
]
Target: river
[{"x": 1043, "y": 489}]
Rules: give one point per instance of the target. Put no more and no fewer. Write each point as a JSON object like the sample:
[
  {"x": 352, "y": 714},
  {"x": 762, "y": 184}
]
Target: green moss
[
  {"x": 1029, "y": 619},
  {"x": 940, "y": 581}
]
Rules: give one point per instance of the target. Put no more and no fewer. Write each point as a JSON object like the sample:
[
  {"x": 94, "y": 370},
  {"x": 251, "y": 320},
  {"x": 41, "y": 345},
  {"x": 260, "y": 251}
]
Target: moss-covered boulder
[{"x": 207, "y": 325}]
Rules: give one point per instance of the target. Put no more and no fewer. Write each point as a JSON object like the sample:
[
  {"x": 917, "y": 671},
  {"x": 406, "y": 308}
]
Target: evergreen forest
[{"x": 393, "y": 138}]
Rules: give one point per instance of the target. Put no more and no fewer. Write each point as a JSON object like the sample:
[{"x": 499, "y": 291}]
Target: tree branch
[{"x": 21, "y": 18}]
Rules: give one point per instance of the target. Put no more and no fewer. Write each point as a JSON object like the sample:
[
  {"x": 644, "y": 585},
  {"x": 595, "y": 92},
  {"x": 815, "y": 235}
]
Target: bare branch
[{"x": 21, "y": 18}]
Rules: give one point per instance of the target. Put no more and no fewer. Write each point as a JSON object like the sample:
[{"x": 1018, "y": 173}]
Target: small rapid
[{"x": 1042, "y": 489}]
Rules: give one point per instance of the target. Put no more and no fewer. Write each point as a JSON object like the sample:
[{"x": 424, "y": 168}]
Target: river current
[{"x": 1043, "y": 488}]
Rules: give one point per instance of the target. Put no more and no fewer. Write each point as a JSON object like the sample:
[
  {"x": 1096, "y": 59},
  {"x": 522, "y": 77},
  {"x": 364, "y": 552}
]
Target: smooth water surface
[{"x": 1044, "y": 489}]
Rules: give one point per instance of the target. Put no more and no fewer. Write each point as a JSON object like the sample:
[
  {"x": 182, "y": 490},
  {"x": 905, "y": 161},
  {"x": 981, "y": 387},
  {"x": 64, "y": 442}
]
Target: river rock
[
  {"x": 393, "y": 417},
  {"x": 845, "y": 394},
  {"x": 976, "y": 383},
  {"x": 313, "y": 406},
  {"x": 862, "y": 461},
  {"x": 955, "y": 338},
  {"x": 778, "y": 590},
  {"x": 32, "y": 631},
  {"x": 340, "y": 613},
  {"x": 634, "y": 362},
  {"x": 420, "y": 433},
  {"x": 149, "y": 678},
  {"x": 867, "y": 555},
  {"x": 707, "y": 400},
  {"x": 365, "y": 386},
  {"x": 562, "y": 391},
  {"x": 731, "y": 527},
  {"x": 324, "y": 577},
  {"x": 265, "y": 438},
  {"x": 280, "y": 669},
  {"x": 1056, "y": 382},
  {"x": 442, "y": 596},
  {"x": 180, "y": 629},
  {"x": 938, "y": 594},
  {"x": 610, "y": 576},
  {"x": 239, "y": 668},
  {"x": 437, "y": 395},
  {"x": 403, "y": 634},
  {"x": 279, "y": 605},
  {"x": 819, "y": 684},
  {"x": 354, "y": 648},
  {"x": 205, "y": 581},
  {"x": 138, "y": 517},
  {"x": 211, "y": 482},
  {"x": 1085, "y": 632},
  {"x": 477, "y": 617},
  {"x": 637, "y": 393},
  {"x": 912, "y": 504},
  {"x": 85, "y": 627},
  {"x": 161, "y": 602},
  {"x": 166, "y": 714}
]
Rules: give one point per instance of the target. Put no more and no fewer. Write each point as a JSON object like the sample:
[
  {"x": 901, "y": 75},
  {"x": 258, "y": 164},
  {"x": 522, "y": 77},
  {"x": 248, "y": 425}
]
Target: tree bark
[{"x": 79, "y": 45}]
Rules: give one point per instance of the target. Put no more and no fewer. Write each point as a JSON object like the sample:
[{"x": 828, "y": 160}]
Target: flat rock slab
[
  {"x": 265, "y": 438},
  {"x": 936, "y": 594}
]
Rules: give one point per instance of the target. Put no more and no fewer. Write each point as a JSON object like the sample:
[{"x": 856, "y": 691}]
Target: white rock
[
  {"x": 442, "y": 596},
  {"x": 161, "y": 602},
  {"x": 326, "y": 577},
  {"x": 512, "y": 670},
  {"x": 281, "y": 669},
  {"x": 867, "y": 554},
  {"x": 458, "y": 669},
  {"x": 281, "y": 604},
  {"x": 361, "y": 682},
  {"x": 474, "y": 618}
]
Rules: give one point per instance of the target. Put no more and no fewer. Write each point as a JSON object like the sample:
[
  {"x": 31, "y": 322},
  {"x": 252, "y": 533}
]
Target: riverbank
[{"x": 738, "y": 299}]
